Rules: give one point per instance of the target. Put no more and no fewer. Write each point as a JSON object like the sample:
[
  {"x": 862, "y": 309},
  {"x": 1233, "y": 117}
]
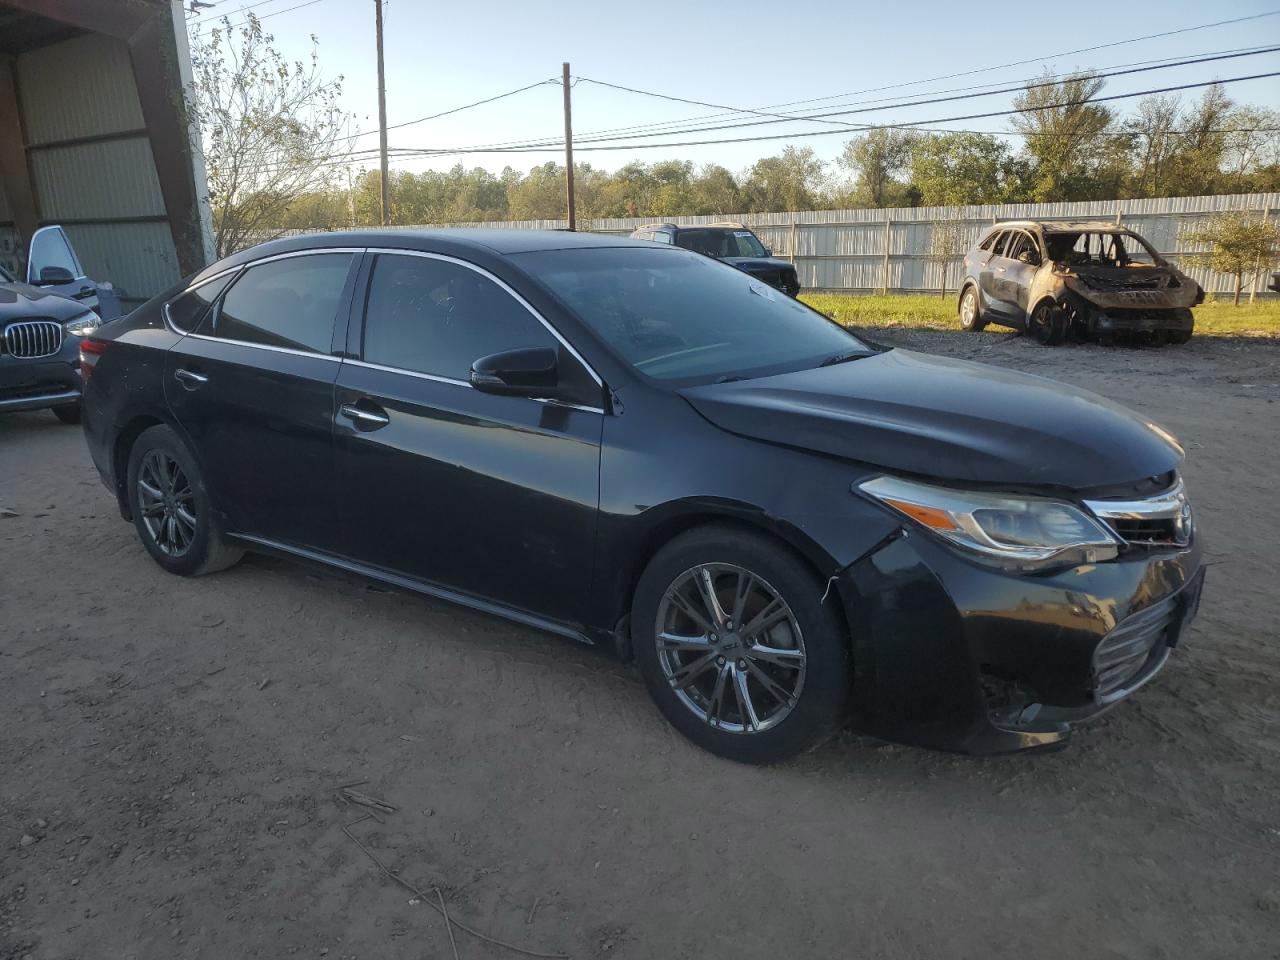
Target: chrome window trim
[
  {"x": 463, "y": 383},
  {"x": 168, "y": 318},
  {"x": 265, "y": 346},
  {"x": 310, "y": 252},
  {"x": 504, "y": 286}
]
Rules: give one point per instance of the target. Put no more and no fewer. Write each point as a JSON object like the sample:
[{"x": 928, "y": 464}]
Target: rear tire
[
  {"x": 782, "y": 671},
  {"x": 171, "y": 508},
  {"x": 971, "y": 318},
  {"x": 68, "y": 414},
  {"x": 1179, "y": 337},
  {"x": 1046, "y": 324}
]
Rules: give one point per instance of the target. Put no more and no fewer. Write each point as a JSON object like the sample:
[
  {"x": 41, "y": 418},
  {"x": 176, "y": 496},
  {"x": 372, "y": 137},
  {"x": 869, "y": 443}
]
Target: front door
[
  {"x": 1022, "y": 261},
  {"x": 253, "y": 387},
  {"x": 491, "y": 496}
]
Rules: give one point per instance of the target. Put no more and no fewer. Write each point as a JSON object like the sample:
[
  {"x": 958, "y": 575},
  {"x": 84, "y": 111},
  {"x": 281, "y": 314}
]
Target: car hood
[
  {"x": 947, "y": 419},
  {"x": 758, "y": 264},
  {"x": 19, "y": 301}
]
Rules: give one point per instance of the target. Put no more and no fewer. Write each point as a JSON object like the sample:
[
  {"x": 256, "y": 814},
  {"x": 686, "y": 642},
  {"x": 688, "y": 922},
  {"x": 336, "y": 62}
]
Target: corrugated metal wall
[
  {"x": 844, "y": 250},
  {"x": 92, "y": 166}
]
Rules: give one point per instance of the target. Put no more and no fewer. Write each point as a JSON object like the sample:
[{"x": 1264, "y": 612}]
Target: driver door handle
[
  {"x": 364, "y": 418},
  {"x": 189, "y": 378}
]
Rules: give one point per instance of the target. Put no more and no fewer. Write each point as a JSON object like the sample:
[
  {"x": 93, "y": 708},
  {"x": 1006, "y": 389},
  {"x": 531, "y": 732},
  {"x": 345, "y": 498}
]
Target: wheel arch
[
  {"x": 681, "y": 518},
  {"x": 132, "y": 426}
]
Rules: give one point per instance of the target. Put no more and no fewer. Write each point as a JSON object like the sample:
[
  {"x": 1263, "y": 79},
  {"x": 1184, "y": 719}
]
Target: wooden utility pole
[
  {"x": 382, "y": 120},
  {"x": 568, "y": 147}
]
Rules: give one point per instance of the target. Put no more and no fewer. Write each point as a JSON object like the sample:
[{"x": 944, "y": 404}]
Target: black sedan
[{"x": 637, "y": 446}]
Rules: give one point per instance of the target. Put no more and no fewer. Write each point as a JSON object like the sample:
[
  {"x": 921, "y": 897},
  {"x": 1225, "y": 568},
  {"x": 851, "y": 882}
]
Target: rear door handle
[
  {"x": 189, "y": 378},
  {"x": 369, "y": 419}
]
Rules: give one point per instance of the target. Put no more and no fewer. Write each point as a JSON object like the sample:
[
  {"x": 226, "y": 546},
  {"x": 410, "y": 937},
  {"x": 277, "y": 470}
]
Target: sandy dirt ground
[{"x": 170, "y": 749}]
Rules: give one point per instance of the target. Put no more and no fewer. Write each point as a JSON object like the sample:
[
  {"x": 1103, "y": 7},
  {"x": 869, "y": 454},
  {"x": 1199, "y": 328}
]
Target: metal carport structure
[{"x": 94, "y": 136}]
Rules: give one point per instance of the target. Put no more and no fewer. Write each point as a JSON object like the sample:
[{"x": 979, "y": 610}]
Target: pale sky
[{"x": 749, "y": 54}]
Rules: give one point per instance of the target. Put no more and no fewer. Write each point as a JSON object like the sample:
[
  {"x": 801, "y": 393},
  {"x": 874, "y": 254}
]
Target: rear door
[
  {"x": 491, "y": 496},
  {"x": 253, "y": 388},
  {"x": 1022, "y": 264},
  {"x": 991, "y": 277}
]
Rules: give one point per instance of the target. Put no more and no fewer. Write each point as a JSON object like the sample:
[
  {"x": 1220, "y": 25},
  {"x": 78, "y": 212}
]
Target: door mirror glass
[
  {"x": 526, "y": 372},
  {"x": 55, "y": 276}
]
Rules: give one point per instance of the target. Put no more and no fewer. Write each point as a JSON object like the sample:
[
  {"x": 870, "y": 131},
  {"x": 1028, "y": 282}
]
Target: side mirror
[
  {"x": 527, "y": 372},
  {"x": 55, "y": 276}
]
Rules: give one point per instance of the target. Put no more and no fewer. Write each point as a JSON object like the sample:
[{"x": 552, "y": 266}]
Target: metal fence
[{"x": 853, "y": 251}]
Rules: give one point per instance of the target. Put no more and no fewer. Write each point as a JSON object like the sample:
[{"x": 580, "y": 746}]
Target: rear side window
[
  {"x": 289, "y": 303},
  {"x": 186, "y": 312},
  {"x": 439, "y": 317}
]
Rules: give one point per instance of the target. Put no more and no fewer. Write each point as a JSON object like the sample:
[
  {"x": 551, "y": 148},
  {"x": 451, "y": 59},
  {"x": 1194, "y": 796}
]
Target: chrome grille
[
  {"x": 30, "y": 339},
  {"x": 1159, "y": 521},
  {"x": 1123, "y": 655}
]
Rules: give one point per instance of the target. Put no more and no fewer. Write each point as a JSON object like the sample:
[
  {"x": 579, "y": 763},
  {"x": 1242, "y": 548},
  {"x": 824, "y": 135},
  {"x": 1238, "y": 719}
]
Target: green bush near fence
[{"x": 931, "y": 312}]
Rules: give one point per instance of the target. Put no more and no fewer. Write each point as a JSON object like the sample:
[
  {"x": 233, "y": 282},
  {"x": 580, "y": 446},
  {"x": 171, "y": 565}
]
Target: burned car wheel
[
  {"x": 971, "y": 311},
  {"x": 737, "y": 648},
  {"x": 1047, "y": 324}
]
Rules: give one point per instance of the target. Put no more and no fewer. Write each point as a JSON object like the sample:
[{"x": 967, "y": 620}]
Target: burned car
[{"x": 1062, "y": 280}]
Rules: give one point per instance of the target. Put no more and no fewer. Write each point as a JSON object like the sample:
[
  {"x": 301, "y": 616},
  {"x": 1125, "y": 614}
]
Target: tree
[
  {"x": 878, "y": 159},
  {"x": 269, "y": 130},
  {"x": 954, "y": 169},
  {"x": 1240, "y": 244},
  {"x": 1071, "y": 142},
  {"x": 1153, "y": 144},
  {"x": 947, "y": 240},
  {"x": 789, "y": 181}
]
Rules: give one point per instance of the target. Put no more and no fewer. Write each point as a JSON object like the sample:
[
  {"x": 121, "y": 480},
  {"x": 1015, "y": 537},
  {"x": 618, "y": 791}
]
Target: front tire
[
  {"x": 171, "y": 508},
  {"x": 737, "y": 647},
  {"x": 1047, "y": 325},
  {"x": 68, "y": 414},
  {"x": 971, "y": 319}
]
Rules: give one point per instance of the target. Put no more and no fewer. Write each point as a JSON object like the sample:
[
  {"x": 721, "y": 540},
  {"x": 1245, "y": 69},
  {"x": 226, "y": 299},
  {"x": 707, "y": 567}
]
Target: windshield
[
  {"x": 1100, "y": 250},
  {"x": 676, "y": 316},
  {"x": 721, "y": 242}
]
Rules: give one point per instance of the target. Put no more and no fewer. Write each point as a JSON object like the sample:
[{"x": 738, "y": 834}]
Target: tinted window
[
  {"x": 186, "y": 312},
  {"x": 1002, "y": 242},
  {"x": 675, "y": 315},
  {"x": 438, "y": 317},
  {"x": 286, "y": 303},
  {"x": 49, "y": 248},
  {"x": 721, "y": 242}
]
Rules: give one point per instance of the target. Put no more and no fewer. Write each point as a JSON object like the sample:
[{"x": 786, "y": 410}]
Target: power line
[
  {"x": 233, "y": 13},
  {"x": 445, "y": 113},
  {"x": 273, "y": 13},
  {"x": 821, "y": 117},
  {"x": 966, "y": 73},
  {"x": 914, "y": 125},
  {"x": 1119, "y": 70}
]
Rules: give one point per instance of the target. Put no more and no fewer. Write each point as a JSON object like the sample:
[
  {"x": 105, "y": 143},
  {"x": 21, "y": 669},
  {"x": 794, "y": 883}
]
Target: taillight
[{"x": 90, "y": 350}]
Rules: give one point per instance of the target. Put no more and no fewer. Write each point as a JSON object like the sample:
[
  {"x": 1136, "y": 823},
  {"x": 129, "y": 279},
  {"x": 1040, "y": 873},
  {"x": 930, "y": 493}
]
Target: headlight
[
  {"x": 82, "y": 325},
  {"x": 1021, "y": 533}
]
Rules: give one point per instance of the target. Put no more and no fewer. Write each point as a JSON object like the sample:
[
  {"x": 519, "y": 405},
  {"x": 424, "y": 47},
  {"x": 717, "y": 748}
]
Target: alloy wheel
[
  {"x": 166, "y": 502},
  {"x": 968, "y": 309},
  {"x": 730, "y": 647}
]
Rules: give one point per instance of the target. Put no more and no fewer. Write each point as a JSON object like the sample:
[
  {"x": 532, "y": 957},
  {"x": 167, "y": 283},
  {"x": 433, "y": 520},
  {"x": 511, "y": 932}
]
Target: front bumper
[
  {"x": 37, "y": 384},
  {"x": 957, "y": 656}
]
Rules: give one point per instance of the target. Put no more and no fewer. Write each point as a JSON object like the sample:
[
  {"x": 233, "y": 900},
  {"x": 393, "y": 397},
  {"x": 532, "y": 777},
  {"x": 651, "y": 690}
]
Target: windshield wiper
[{"x": 835, "y": 358}]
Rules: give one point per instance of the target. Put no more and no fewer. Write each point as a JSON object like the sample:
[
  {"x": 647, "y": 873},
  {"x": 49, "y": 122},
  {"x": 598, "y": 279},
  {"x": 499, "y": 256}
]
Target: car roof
[
  {"x": 1063, "y": 226},
  {"x": 491, "y": 240}
]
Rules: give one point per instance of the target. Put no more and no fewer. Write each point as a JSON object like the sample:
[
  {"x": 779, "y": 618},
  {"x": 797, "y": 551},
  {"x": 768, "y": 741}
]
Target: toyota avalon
[{"x": 789, "y": 528}]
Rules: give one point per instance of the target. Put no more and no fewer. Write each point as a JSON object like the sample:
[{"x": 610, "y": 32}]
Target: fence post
[
  {"x": 1257, "y": 270},
  {"x": 1119, "y": 213},
  {"x": 791, "y": 244},
  {"x": 885, "y": 276}
]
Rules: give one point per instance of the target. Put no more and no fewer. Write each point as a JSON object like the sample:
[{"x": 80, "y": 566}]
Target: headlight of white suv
[
  {"x": 1020, "y": 533},
  {"x": 82, "y": 325}
]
